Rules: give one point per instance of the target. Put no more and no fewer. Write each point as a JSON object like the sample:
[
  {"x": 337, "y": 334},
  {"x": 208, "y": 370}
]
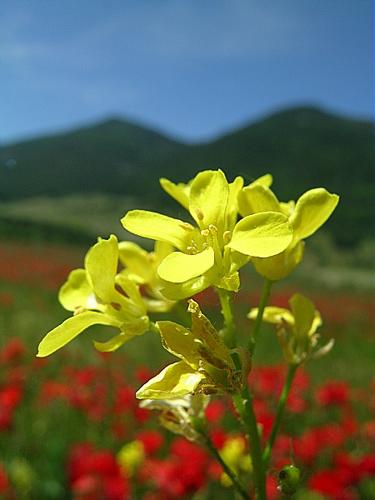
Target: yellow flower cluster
[{"x": 228, "y": 226}]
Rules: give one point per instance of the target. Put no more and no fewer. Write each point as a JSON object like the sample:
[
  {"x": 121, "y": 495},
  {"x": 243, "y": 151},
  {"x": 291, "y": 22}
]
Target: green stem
[
  {"x": 243, "y": 403},
  {"x": 279, "y": 413},
  {"x": 226, "y": 309},
  {"x": 153, "y": 328},
  {"x": 266, "y": 290},
  {"x": 236, "y": 483}
]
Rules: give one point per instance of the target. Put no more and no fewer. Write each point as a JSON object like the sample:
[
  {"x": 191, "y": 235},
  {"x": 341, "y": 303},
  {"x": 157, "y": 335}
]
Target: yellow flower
[
  {"x": 131, "y": 457},
  {"x": 305, "y": 217},
  {"x": 140, "y": 267},
  {"x": 206, "y": 366},
  {"x": 97, "y": 295},
  {"x": 177, "y": 415},
  {"x": 296, "y": 328},
  {"x": 212, "y": 251},
  {"x": 235, "y": 456}
]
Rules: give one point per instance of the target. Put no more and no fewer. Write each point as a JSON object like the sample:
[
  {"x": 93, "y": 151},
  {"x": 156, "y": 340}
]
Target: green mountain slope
[
  {"x": 107, "y": 157},
  {"x": 303, "y": 147}
]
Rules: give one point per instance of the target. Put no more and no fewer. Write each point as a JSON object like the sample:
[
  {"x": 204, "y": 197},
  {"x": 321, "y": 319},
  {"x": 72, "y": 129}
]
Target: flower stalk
[
  {"x": 230, "y": 473},
  {"x": 243, "y": 403},
  {"x": 266, "y": 290},
  {"x": 279, "y": 413},
  {"x": 225, "y": 298}
]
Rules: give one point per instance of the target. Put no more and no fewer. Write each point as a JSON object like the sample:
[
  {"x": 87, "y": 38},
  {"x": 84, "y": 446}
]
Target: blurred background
[{"x": 101, "y": 99}]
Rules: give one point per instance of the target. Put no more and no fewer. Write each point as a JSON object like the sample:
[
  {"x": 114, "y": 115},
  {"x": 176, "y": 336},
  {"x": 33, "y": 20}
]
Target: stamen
[
  {"x": 186, "y": 226},
  {"x": 116, "y": 306},
  {"x": 199, "y": 213},
  {"x": 227, "y": 237}
]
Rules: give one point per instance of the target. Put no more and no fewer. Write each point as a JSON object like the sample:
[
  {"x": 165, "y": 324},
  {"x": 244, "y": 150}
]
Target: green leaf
[
  {"x": 179, "y": 267},
  {"x": 261, "y": 235},
  {"x": 71, "y": 328}
]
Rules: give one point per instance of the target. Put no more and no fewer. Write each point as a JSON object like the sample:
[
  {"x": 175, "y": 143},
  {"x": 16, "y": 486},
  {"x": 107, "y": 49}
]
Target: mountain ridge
[{"x": 303, "y": 147}]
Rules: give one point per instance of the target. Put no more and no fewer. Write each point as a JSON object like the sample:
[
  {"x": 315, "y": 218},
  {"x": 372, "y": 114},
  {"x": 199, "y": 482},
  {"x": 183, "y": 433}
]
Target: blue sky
[{"x": 192, "y": 68}]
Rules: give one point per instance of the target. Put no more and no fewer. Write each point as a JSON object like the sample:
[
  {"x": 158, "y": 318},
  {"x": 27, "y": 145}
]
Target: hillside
[
  {"x": 302, "y": 147},
  {"x": 108, "y": 157}
]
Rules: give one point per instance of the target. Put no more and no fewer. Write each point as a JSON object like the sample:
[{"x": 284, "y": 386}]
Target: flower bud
[{"x": 289, "y": 478}]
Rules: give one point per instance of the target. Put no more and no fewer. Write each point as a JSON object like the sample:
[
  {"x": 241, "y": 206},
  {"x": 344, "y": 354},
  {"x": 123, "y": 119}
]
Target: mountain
[
  {"x": 107, "y": 157},
  {"x": 302, "y": 147}
]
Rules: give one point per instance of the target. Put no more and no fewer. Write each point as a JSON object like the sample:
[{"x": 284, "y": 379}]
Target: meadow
[{"x": 70, "y": 426}]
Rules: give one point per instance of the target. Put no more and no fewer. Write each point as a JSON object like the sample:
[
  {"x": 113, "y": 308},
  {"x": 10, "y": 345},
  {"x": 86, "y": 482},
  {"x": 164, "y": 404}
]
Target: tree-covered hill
[
  {"x": 105, "y": 157},
  {"x": 303, "y": 147}
]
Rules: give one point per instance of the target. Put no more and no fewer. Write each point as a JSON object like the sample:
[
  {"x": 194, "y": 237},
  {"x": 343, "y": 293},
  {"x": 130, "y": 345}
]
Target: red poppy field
[{"x": 70, "y": 426}]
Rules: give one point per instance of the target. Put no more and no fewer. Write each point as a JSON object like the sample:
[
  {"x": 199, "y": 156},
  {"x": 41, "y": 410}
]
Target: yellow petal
[
  {"x": 230, "y": 282},
  {"x": 133, "y": 303},
  {"x": 317, "y": 322},
  {"x": 179, "y": 341},
  {"x": 279, "y": 266},
  {"x": 257, "y": 198},
  {"x": 71, "y": 328},
  {"x": 274, "y": 315},
  {"x": 136, "y": 260},
  {"x": 261, "y": 235},
  {"x": 76, "y": 291},
  {"x": 175, "y": 381},
  {"x": 303, "y": 311},
  {"x": 161, "y": 250},
  {"x": 206, "y": 334},
  {"x": 179, "y": 267},
  {"x": 232, "y": 206},
  {"x": 101, "y": 266},
  {"x": 208, "y": 198},
  {"x": 288, "y": 207},
  {"x": 265, "y": 180},
  {"x": 158, "y": 227},
  {"x": 112, "y": 344},
  {"x": 312, "y": 210},
  {"x": 180, "y": 192},
  {"x": 179, "y": 291}
]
